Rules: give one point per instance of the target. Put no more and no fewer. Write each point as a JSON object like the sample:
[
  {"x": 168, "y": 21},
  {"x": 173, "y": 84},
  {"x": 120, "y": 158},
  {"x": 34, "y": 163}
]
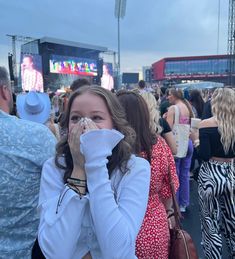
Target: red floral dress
[{"x": 153, "y": 239}]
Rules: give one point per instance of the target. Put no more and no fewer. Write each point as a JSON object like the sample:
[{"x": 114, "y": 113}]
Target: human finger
[
  {"x": 75, "y": 133},
  {"x": 89, "y": 125}
]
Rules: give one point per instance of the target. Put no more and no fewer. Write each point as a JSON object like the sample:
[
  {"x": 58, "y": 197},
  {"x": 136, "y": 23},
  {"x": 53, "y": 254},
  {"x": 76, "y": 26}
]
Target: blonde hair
[
  {"x": 223, "y": 108},
  {"x": 154, "y": 113}
]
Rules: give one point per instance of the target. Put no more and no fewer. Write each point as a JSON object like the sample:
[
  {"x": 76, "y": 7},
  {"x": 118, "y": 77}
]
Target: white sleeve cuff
[
  {"x": 55, "y": 207},
  {"x": 96, "y": 144}
]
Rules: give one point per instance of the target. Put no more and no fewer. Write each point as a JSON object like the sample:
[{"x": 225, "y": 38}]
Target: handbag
[
  {"x": 181, "y": 243},
  {"x": 181, "y": 135}
]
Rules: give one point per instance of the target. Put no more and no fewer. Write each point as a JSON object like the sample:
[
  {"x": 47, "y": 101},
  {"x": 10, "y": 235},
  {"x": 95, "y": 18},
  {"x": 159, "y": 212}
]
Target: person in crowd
[
  {"x": 163, "y": 127},
  {"x": 141, "y": 86},
  {"x": 167, "y": 134},
  {"x": 182, "y": 164},
  {"x": 157, "y": 96},
  {"x": 36, "y": 107},
  {"x": 76, "y": 84},
  {"x": 53, "y": 126},
  {"x": 152, "y": 107},
  {"x": 13, "y": 111},
  {"x": 197, "y": 102},
  {"x": 57, "y": 106},
  {"x": 186, "y": 94},
  {"x": 31, "y": 78},
  {"x": 107, "y": 79},
  {"x": 163, "y": 93},
  {"x": 164, "y": 104},
  {"x": 63, "y": 102},
  {"x": 24, "y": 147},
  {"x": 207, "y": 113},
  {"x": 65, "y": 98},
  {"x": 216, "y": 189},
  {"x": 153, "y": 238},
  {"x": 94, "y": 193}
]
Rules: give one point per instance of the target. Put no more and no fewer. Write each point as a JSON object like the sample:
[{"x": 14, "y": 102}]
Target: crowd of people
[{"x": 86, "y": 175}]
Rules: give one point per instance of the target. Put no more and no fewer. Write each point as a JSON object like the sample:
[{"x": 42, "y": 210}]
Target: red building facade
[{"x": 207, "y": 68}]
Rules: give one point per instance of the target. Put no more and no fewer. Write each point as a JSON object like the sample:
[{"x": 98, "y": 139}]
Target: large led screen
[
  {"x": 130, "y": 78},
  {"x": 31, "y": 72},
  {"x": 73, "y": 65}
]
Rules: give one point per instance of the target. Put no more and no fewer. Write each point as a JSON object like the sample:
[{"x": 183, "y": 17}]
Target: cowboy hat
[{"x": 33, "y": 106}]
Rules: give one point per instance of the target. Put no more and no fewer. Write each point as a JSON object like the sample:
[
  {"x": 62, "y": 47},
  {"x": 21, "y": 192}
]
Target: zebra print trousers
[{"x": 217, "y": 207}]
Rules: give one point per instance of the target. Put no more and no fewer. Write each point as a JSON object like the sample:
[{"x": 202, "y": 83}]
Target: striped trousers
[{"x": 217, "y": 207}]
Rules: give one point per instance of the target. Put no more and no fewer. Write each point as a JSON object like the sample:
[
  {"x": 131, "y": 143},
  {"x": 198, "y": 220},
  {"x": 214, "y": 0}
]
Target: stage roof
[{"x": 72, "y": 44}]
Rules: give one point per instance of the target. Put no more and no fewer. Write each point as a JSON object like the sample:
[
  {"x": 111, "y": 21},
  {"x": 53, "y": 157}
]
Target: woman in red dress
[{"x": 153, "y": 239}]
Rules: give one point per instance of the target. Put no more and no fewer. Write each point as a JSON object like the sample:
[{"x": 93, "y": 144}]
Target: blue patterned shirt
[{"x": 24, "y": 146}]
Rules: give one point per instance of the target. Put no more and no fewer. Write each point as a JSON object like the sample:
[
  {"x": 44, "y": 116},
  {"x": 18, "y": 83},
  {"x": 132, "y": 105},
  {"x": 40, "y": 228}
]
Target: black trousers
[{"x": 36, "y": 251}]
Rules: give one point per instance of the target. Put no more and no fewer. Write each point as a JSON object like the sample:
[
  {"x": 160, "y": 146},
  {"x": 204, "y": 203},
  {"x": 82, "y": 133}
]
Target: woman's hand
[
  {"x": 83, "y": 126},
  {"x": 164, "y": 116},
  {"x": 171, "y": 222},
  {"x": 89, "y": 125},
  {"x": 74, "y": 145},
  {"x": 194, "y": 134}
]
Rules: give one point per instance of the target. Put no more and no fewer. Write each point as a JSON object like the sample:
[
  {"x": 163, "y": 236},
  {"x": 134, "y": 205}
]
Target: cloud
[
  {"x": 174, "y": 26},
  {"x": 151, "y": 29}
]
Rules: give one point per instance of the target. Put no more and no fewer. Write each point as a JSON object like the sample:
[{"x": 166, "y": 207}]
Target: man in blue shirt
[{"x": 24, "y": 147}]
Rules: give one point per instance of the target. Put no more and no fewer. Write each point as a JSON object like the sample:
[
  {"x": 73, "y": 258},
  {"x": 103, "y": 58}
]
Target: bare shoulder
[
  {"x": 171, "y": 109},
  {"x": 208, "y": 123}
]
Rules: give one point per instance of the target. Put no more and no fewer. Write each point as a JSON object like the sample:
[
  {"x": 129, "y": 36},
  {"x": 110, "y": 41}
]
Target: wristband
[
  {"x": 75, "y": 189},
  {"x": 76, "y": 182}
]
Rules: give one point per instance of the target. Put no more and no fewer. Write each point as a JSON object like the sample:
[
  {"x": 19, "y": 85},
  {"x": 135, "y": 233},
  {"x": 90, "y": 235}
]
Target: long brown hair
[
  {"x": 138, "y": 116},
  {"x": 178, "y": 93},
  {"x": 120, "y": 154},
  {"x": 195, "y": 98}
]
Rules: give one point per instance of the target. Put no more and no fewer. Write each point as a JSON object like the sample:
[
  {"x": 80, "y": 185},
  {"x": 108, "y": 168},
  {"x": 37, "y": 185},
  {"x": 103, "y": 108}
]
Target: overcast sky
[{"x": 151, "y": 29}]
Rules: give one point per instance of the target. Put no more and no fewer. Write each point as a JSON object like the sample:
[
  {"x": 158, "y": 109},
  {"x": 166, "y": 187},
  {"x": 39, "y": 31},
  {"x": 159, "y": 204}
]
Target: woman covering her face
[{"x": 94, "y": 193}]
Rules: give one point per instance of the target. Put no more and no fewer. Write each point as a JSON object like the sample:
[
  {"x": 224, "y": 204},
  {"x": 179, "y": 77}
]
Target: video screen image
[
  {"x": 107, "y": 81},
  {"x": 31, "y": 72},
  {"x": 109, "y": 67},
  {"x": 73, "y": 65}
]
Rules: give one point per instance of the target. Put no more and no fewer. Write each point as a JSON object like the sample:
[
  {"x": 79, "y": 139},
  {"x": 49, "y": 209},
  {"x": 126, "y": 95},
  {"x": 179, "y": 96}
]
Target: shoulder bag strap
[
  {"x": 177, "y": 114},
  {"x": 177, "y": 213}
]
